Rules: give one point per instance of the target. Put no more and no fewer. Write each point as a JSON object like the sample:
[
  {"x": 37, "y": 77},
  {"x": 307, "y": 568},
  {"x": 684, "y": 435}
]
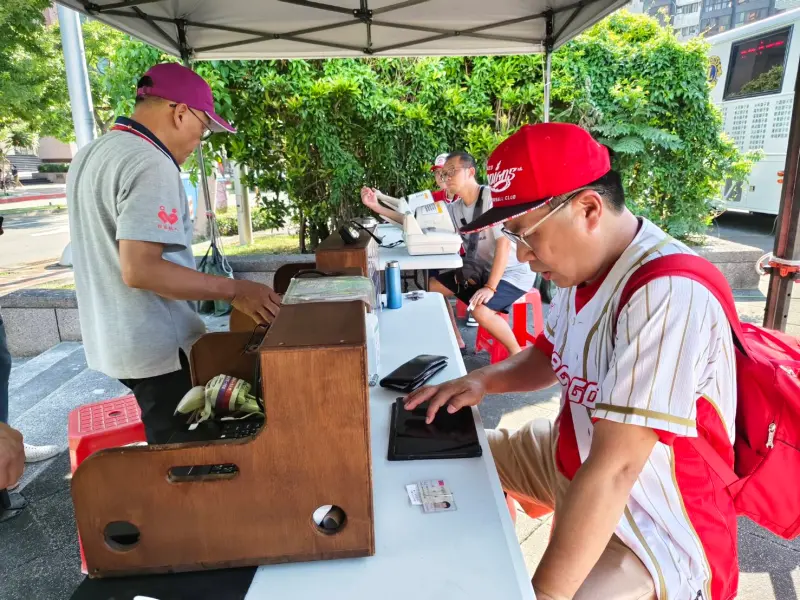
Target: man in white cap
[
  {"x": 442, "y": 194},
  {"x": 135, "y": 272}
]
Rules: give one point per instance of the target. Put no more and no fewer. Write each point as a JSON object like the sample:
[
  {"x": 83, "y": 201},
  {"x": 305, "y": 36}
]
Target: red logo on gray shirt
[{"x": 168, "y": 220}]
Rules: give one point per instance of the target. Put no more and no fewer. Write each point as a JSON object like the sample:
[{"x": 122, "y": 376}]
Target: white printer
[{"x": 427, "y": 226}]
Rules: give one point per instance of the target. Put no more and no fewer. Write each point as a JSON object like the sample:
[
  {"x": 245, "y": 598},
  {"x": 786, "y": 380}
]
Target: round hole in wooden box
[
  {"x": 121, "y": 536},
  {"x": 329, "y": 519}
]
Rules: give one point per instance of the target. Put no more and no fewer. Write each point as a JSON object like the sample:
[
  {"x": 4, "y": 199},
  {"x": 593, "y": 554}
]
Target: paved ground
[
  {"x": 46, "y": 192},
  {"x": 32, "y": 238}
]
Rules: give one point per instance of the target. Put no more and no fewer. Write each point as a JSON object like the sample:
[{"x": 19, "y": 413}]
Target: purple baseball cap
[{"x": 177, "y": 83}]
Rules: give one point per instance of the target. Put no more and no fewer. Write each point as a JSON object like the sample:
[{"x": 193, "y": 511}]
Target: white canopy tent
[
  {"x": 260, "y": 29},
  {"x": 264, "y": 29}
]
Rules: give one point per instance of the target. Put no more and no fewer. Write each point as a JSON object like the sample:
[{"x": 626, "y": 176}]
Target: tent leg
[
  {"x": 242, "y": 207},
  {"x": 547, "y": 64},
  {"x": 787, "y": 238},
  {"x": 549, "y": 43},
  {"x": 201, "y": 163}
]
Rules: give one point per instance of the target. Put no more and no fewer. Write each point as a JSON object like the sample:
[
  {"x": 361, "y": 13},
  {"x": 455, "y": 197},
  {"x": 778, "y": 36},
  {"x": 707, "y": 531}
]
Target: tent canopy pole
[
  {"x": 548, "y": 52},
  {"x": 186, "y": 56},
  {"x": 787, "y": 238}
]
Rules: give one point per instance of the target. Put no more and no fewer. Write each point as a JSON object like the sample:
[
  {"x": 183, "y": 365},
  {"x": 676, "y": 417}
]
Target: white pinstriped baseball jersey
[{"x": 670, "y": 366}]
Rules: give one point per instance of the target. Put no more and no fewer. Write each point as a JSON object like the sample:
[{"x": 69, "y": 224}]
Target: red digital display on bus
[{"x": 761, "y": 47}]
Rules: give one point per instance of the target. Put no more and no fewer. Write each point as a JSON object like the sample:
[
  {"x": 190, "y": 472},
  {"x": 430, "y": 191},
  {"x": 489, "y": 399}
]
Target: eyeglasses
[
  {"x": 519, "y": 238},
  {"x": 451, "y": 172},
  {"x": 207, "y": 133}
]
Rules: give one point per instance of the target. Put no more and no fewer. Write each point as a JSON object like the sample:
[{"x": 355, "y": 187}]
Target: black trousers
[{"x": 157, "y": 398}]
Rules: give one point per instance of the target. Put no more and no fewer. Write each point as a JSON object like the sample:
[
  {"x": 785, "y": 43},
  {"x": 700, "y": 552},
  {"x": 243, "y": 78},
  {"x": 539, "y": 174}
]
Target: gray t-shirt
[
  {"x": 122, "y": 187},
  {"x": 517, "y": 274}
]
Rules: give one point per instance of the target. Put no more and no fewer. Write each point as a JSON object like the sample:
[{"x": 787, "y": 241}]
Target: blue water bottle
[{"x": 394, "y": 296}]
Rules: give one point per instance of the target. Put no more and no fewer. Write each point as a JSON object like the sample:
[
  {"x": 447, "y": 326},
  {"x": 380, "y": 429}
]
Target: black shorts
[{"x": 502, "y": 300}]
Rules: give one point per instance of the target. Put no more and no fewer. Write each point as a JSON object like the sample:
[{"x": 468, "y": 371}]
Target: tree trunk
[{"x": 303, "y": 230}]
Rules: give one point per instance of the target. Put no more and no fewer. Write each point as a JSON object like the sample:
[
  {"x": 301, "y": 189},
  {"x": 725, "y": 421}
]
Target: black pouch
[{"x": 412, "y": 374}]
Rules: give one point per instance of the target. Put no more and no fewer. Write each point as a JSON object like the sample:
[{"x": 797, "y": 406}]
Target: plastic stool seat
[
  {"x": 498, "y": 352},
  {"x": 94, "y": 427},
  {"x": 101, "y": 425}
]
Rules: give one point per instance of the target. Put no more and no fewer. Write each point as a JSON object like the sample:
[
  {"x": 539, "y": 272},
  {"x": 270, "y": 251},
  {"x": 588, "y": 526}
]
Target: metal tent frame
[
  {"x": 339, "y": 30},
  {"x": 535, "y": 27}
]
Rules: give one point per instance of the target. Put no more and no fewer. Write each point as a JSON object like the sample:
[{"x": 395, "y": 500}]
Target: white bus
[{"x": 752, "y": 70}]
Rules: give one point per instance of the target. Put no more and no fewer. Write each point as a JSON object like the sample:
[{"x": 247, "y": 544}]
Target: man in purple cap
[
  {"x": 639, "y": 513},
  {"x": 131, "y": 235}
]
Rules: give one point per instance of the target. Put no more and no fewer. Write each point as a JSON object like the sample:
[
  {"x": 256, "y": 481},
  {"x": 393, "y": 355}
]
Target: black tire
[{"x": 547, "y": 289}]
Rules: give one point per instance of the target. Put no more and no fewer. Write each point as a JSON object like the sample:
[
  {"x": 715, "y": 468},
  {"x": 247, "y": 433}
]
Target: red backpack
[{"x": 765, "y": 480}]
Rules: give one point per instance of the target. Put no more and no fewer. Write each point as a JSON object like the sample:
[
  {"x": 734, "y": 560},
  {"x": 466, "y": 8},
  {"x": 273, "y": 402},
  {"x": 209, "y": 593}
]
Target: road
[{"x": 32, "y": 239}]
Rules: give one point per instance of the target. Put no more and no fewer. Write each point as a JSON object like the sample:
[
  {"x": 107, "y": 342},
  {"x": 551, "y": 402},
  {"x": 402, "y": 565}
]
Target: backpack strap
[
  {"x": 714, "y": 460},
  {"x": 691, "y": 267},
  {"x": 702, "y": 271}
]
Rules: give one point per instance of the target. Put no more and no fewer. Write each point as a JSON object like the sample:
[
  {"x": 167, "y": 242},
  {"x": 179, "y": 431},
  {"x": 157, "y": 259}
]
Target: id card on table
[{"x": 433, "y": 496}]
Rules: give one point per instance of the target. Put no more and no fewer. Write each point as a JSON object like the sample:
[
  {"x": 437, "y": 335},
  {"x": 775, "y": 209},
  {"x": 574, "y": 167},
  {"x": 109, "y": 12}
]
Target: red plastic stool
[
  {"x": 102, "y": 425},
  {"x": 498, "y": 352},
  {"x": 461, "y": 309}
]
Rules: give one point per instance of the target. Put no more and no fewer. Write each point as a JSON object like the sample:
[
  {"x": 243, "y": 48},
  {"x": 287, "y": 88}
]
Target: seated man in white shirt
[{"x": 492, "y": 278}]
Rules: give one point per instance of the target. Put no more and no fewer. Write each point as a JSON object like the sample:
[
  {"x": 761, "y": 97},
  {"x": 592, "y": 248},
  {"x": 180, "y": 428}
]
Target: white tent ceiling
[{"x": 256, "y": 29}]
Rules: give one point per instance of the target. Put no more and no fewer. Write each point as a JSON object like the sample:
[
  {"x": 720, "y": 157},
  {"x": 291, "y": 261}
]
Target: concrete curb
[
  {"x": 261, "y": 267},
  {"x": 736, "y": 261},
  {"x": 33, "y": 212},
  {"x": 15, "y": 199}
]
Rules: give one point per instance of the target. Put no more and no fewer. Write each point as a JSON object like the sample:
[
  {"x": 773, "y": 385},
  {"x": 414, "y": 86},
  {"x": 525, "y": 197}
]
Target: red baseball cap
[
  {"x": 180, "y": 84},
  {"x": 537, "y": 163},
  {"x": 439, "y": 162}
]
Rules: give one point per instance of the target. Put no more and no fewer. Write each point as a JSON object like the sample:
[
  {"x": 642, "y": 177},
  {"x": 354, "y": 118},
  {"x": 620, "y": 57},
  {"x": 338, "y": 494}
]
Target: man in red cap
[
  {"x": 131, "y": 233},
  {"x": 639, "y": 515}
]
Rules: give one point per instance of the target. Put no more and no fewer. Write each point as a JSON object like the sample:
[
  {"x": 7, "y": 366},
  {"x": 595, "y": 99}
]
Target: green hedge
[
  {"x": 53, "y": 168},
  {"x": 229, "y": 224}
]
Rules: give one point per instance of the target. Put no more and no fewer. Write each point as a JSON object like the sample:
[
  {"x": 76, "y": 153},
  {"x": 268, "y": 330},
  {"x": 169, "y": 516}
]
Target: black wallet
[
  {"x": 449, "y": 436},
  {"x": 412, "y": 374}
]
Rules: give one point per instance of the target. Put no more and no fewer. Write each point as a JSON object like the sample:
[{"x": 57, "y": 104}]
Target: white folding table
[
  {"x": 469, "y": 554},
  {"x": 420, "y": 262}
]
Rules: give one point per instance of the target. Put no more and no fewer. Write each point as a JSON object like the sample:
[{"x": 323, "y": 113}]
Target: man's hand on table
[
  {"x": 12, "y": 456},
  {"x": 257, "y": 301},
  {"x": 456, "y": 394}
]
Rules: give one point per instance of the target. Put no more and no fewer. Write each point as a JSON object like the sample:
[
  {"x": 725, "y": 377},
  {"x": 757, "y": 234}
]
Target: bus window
[{"x": 757, "y": 65}]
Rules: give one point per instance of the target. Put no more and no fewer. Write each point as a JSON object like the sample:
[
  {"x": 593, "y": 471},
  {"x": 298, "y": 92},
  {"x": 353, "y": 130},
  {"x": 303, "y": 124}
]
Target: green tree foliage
[
  {"x": 100, "y": 43},
  {"x": 33, "y": 96},
  {"x": 318, "y": 130}
]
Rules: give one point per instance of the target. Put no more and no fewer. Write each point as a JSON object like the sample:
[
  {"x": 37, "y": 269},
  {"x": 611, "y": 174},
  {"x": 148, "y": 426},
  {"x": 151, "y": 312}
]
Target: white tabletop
[
  {"x": 392, "y": 233},
  {"x": 471, "y": 553}
]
